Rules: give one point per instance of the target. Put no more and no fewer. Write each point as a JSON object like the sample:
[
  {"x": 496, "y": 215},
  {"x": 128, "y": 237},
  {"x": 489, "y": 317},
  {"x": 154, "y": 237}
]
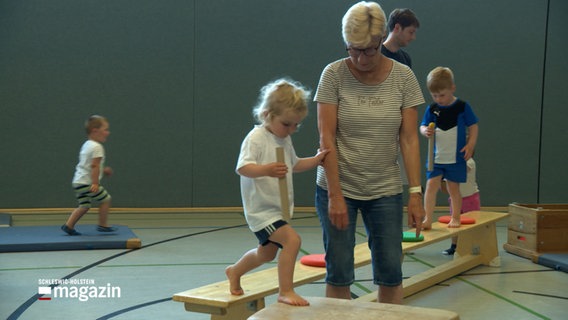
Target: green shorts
[{"x": 85, "y": 197}]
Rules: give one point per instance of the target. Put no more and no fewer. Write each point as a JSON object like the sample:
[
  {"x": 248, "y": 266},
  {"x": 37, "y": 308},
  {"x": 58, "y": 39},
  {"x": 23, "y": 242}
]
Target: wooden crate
[{"x": 536, "y": 229}]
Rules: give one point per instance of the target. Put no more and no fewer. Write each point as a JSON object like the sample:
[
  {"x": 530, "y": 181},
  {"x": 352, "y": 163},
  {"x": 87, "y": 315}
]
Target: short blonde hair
[
  {"x": 281, "y": 96},
  {"x": 94, "y": 122},
  {"x": 364, "y": 23},
  {"x": 440, "y": 78}
]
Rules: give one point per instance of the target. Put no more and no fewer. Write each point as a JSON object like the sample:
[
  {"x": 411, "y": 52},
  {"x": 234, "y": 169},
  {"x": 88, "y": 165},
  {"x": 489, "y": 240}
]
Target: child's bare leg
[
  {"x": 291, "y": 243},
  {"x": 454, "y": 240},
  {"x": 455, "y": 196},
  {"x": 250, "y": 260},
  {"x": 104, "y": 209},
  {"x": 430, "y": 193},
  {"x": 75, "y": 216}
]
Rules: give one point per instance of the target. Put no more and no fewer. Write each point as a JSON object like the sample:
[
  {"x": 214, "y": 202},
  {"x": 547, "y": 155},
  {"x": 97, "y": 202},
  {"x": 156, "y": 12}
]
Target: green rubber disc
[{"x": 410, "y": 236}]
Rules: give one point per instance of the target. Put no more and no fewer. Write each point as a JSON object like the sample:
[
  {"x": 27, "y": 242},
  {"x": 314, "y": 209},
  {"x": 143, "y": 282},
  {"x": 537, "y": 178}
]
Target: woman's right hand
[{"x": 338, "y": 212}]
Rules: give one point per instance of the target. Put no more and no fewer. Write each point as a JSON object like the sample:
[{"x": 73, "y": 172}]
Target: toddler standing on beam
[{"x": 282, "y": 107}]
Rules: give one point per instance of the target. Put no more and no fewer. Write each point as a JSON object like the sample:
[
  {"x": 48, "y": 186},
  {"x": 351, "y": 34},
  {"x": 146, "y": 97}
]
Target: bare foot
[
  {"x": 426, "y": 224},
  {"x": 234, "y": 282},
  {"x": 454, "y": 223},
  {"x": 293, "y": 299}
]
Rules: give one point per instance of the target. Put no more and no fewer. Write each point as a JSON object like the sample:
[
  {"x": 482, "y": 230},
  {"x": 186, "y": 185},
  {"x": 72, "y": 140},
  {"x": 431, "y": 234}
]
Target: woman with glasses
[{"x": 367, "y": 110}]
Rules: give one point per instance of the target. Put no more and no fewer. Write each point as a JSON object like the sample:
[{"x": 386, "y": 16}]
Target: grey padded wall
[
  {"x": 178, "y": 79},
  {"x": 554, "y": 142},
  {"x": 241, "y": 47},
  {"x": 63, "y": 60},
  {"x": 496, "y": 50}
]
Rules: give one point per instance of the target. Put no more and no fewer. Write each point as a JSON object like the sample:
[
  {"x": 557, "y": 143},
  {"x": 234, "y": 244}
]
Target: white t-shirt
[
  {"x": 470, "y": 186},
  {"x": 89, "y": 151},
  {"x": 261, "y": 196}
]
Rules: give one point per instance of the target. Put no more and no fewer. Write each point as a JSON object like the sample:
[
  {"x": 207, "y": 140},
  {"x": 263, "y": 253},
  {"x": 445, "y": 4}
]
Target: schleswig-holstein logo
[{"x": 79, "y": 289}]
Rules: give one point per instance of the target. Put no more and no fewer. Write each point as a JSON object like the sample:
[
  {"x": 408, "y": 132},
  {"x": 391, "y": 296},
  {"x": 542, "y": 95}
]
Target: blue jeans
[{"x": 383, "y": 222}]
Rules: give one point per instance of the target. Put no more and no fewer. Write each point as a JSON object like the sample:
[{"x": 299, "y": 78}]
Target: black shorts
[{"x": 265, "y": 233}]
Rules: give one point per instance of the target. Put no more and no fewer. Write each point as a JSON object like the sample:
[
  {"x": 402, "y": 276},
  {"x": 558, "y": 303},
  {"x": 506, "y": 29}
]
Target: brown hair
[
  {"x": 94, "y": 122},
  {"x": 440, "y": 78},
  {"x": 404, "y": 17}
]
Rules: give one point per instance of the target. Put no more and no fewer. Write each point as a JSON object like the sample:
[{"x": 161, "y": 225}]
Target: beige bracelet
[{"x": 415, "y": 189}]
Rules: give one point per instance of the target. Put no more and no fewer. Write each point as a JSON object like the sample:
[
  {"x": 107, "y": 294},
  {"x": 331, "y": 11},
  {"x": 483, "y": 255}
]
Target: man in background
[{"x": 402, "y": 25}]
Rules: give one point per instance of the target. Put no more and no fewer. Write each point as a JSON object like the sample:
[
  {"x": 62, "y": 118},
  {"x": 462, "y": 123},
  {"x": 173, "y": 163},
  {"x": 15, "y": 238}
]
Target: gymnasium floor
[{"x": 182, "y": 250}]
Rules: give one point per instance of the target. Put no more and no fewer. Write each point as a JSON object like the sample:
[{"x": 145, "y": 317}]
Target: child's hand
[
  {"x": 427, "y": 131},
  {"x": 320, "y": 155},
  {"x": 468, "y": 152},
  {"x": 107, "y": 171},
  {"x": 95, "y": 188},
  {"x": 276, "y": 169}
]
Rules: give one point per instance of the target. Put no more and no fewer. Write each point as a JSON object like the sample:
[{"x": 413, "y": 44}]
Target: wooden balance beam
[
  {"x": 477, "y": 245},
  {"x": 329, "y": 308}
]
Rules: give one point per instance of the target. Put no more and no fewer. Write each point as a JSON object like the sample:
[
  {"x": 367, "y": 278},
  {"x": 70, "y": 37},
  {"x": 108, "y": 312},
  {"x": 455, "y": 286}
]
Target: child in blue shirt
[{"x": 456, "y": 134}]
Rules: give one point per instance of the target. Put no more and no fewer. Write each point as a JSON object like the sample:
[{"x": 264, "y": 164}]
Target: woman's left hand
[{"x": 415, "y": 212}]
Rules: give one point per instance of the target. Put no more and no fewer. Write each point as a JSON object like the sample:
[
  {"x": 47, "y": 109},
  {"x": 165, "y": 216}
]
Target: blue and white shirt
[{"x": 451, "y": 129}]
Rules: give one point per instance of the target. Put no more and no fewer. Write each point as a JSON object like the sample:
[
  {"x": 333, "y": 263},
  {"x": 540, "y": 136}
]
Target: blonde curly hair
[{"x": 281, "y": 96}]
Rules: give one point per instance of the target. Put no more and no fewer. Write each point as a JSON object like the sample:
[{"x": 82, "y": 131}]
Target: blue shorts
[
  {"x": 264, "y": 234},
  {"x": 456, "y": 172},
  {"x": 383, "y": 222}
]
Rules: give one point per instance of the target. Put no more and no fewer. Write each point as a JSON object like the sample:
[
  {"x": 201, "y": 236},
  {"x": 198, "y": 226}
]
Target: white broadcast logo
[{"x": 82, "y": 293}]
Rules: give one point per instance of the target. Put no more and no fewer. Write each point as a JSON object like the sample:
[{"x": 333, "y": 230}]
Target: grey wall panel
[
  {"x": 554, "y": 151},
  {"x": 61, "y": 61},
  {"x": 178, "y": 80},
  {"x": 241, "y": 47},
  {"x": 486, "y": 51}
]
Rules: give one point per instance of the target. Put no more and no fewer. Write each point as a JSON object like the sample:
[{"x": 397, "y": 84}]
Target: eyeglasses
[{"x": 369, "y": 52}]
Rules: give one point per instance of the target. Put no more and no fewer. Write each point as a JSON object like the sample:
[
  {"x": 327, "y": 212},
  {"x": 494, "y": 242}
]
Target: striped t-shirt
[{"x": 368, "y": 123}]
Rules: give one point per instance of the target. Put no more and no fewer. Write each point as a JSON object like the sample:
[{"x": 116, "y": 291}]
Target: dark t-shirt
[{"x": 400, "y": 56}]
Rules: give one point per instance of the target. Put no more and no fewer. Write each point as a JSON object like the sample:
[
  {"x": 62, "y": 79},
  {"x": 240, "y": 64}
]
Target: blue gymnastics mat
[
  {"x": 52, "y": 238},
  {"x": 5, "y": 220},
  {"x": 556, "y": 261}
]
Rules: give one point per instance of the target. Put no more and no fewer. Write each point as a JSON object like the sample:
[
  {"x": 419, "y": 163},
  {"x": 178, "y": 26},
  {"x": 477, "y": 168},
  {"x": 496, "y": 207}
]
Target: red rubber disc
[
  {"x": 313, "y": 260},
  {"x": 463, "y": 220}
]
